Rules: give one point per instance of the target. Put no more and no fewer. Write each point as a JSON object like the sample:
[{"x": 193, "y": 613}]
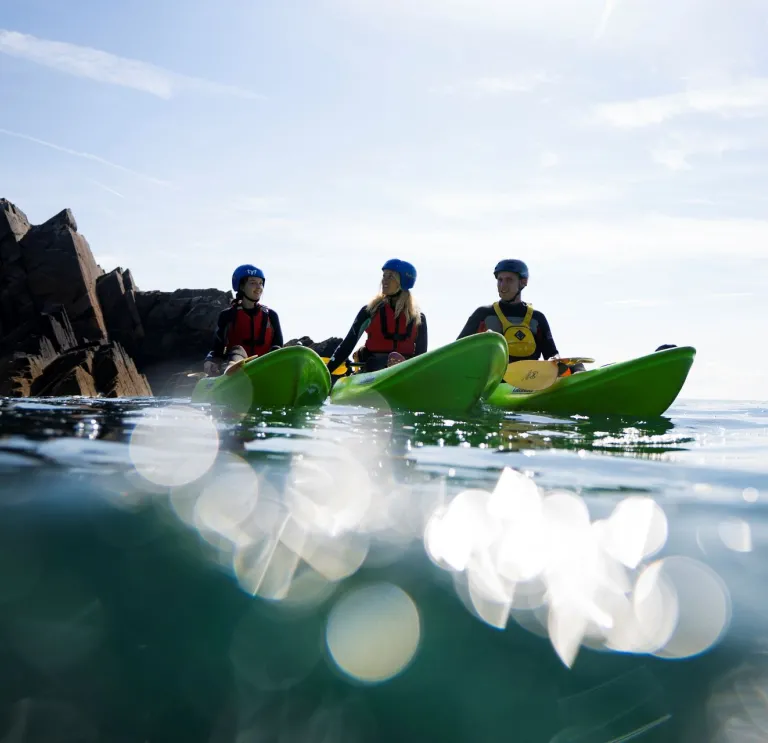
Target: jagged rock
[
  {"x": 48, "y": 266},
  {"x": 99, "y": 369},
  {"x": 128, "y": 281},
  {"x": 117, "y": 297},
  {"x": 13, "y": 222},
  {"x": 116, "y": 375},
  {"x": 48, "y": 336},
  {"x": 63, "y": 366},
  {"x": 322, "y": 348},
  {"x": 53, "y": 333},
  {"x": 77, "y": 381},
  {"x": 178, "y": 332},
  {"x": 17, "y": 308},
  {"x": 67, "y": 327},
  {"x": 19, "y": 370},
  {"x": 327, "y": 347}
]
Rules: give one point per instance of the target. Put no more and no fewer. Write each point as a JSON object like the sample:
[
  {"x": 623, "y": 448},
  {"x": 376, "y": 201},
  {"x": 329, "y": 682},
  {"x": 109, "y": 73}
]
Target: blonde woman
[{"x": 395, "y": 326}]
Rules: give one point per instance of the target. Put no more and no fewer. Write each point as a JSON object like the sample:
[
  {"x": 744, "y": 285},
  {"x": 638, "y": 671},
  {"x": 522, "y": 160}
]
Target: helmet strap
[{"x": 516, "y": 298}]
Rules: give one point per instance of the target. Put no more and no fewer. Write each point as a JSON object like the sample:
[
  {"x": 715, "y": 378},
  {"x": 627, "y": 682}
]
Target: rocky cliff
[{"x": 69, "y": 328}]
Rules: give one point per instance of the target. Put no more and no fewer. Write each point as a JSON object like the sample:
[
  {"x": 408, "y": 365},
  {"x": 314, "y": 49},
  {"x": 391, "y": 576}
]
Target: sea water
[{"x": 171, "y": 571}]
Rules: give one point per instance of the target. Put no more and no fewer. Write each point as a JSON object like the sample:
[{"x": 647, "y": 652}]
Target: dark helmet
[
  {"x": 406, "y": 270},
  {"x": 513, "y": 266},
  {"x": 244, "y": 272}
]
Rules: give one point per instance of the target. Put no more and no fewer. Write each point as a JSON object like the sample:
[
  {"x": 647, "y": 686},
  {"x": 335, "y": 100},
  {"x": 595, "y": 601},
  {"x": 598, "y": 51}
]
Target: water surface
[{"x": 172, "y": 571}]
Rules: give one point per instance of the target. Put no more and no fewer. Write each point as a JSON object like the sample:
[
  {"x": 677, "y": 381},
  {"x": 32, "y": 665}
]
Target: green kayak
[
  {"x": 288, "y": 377},
  {"x": 645, "y": 386},
  {"x": 452, "y": 378}
]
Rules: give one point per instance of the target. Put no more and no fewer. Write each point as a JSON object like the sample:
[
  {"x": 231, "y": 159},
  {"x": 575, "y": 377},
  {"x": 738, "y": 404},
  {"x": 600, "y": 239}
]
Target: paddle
[
  {"x": 232, "y": 368},
  {"x": 342, "y": 369},
  {"x": 532, "y": 376}
]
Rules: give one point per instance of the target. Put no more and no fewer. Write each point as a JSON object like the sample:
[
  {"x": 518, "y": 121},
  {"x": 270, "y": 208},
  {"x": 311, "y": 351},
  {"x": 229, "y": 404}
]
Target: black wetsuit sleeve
[
  {"x": 544, "y": 339},
  {"x": 473, "y": 323},
  {"x": 353, "y": 336},
  {"x": 421, "y": 338},
  {"x": 220, "y": 335},
  {"x": 277, "y": 332}
]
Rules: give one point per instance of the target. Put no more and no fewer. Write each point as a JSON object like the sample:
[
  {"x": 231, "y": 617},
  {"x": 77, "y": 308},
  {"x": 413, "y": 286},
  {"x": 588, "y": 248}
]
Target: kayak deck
[
  {"x": 452, "y": 378},
  {"x": 645, "y": 386},
  {"x": 294, "y": 376}
]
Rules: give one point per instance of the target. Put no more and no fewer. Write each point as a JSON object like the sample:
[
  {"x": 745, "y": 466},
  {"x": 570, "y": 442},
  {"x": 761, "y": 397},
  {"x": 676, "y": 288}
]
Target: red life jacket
[
  {"x": 401, "y": 337},
  {"x": 251, "y": 331}
]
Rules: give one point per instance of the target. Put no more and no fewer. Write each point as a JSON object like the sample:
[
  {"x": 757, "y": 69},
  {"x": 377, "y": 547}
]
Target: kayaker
[
  {"x": 526, "y": 330},
  {"x": 396, "y": 328},
  {"x": 247, "y": 327}
]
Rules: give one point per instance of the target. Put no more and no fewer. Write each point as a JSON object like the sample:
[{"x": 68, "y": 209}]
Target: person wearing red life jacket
[
  {"x": 246, "y": 328},
  {"x": 396, "y": 328}
]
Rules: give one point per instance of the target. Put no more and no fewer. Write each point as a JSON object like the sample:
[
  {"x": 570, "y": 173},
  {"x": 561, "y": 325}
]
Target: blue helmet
[
  {"x": 406, "y": 270},
  {"x": 244, "y": 272},
  {"x": 513, "y": 266}
]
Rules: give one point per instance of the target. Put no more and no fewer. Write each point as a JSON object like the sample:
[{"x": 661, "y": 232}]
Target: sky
[{"x": 619, "y": 147}]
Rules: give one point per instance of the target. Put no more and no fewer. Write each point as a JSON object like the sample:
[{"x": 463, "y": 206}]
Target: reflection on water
[{"x": 175, "y": 572}]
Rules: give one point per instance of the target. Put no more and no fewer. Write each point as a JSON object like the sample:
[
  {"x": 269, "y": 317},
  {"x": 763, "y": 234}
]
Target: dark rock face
[
  {"x": 45, "y": 267},
  {"x": 69, "y": 328},
  {"x": 49, "y": 337},
  {"x": 53, "y": 332},
  {"x": 321, "y": 348},
  {"x": 178, "y": 332},
  {"x": 117, "y": 297}
]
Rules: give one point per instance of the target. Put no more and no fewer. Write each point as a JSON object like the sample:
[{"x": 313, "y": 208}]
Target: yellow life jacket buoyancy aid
[{"x": 519, "y": 338}]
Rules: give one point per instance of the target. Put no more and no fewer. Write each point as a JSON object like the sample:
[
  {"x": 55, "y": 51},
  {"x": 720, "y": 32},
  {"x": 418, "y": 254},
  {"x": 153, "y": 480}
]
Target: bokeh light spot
[
  {"x": 174, "y": 445},
  {"x": 736, "y": 535},
  {"x": 373, "y": 632},
  {"x": 703, "y": 606}
]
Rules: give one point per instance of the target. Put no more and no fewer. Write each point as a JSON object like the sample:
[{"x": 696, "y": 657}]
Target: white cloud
[
  {"x": 571, "y": 17},
  {"x": 106, "y": 188},
  {"x": 677, "y": 149},
  {"x": 730, "y": 295},
  {"x": 599, "y": 242},
  {"x": 748, "y": 97},
  {"x": 258, "y": 204},
  {"x": 638, "y": 302},
  {"x": 475, "y": 205},
  {"x": 549, "y": 159},
  {"x": 610, "y": 6},
  {"x": 521, "y": 82},
  {"x": 94, "y": 64},
  {"x": 682, "y": 299},
  {"x": 671, "y": 158},
  {"x": 84, "y": 155}
]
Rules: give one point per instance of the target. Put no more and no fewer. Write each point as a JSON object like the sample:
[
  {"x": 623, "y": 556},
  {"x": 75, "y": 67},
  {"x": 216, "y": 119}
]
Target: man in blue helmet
[
  {"x": 526, "y": 330},
  {"x": 246, "y": 328},
  {"x": 395, "y": 326}
]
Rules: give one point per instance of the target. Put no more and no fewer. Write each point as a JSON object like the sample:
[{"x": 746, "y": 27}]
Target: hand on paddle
[
  {"x": 343, "y": 368},
  {"x": 532, "y": 376}
]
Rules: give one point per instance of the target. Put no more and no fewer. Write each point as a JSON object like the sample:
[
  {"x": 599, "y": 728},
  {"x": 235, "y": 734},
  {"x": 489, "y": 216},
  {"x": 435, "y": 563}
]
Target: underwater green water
[{"x": 175, "y": 572}]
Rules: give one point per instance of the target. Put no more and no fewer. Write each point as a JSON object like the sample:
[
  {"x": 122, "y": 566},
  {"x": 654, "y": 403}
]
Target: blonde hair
[{"x": 404, "y": 304}]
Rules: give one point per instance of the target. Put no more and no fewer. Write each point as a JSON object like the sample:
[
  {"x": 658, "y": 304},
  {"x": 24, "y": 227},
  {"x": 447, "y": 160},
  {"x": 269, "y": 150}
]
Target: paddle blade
[
  {"x": 531, "y": 375},
  {"x": 339, "y": 370},
  {"x": 572, "y": 360},
  {"x": 232, "y": 368}
]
